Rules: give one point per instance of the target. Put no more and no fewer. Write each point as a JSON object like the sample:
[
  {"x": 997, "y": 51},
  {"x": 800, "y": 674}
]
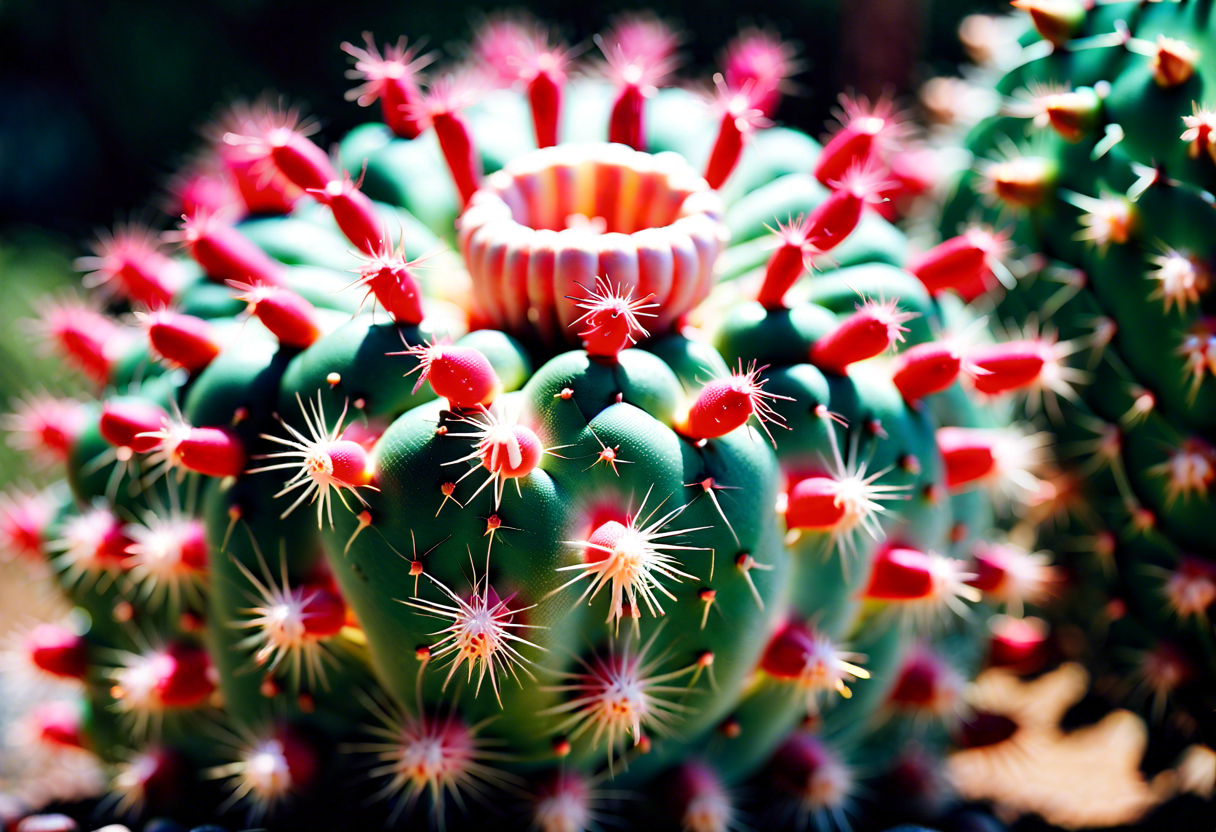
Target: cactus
[
  {"x": 532, "y": 480},
  {"x": 1098, "y": 168}
]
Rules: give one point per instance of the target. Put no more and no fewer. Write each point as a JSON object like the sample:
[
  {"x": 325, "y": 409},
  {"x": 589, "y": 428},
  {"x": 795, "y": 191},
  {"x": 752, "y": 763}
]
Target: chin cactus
[
  {"x": 567, "y": 432},
  {"x": 1097, "y": 172}
]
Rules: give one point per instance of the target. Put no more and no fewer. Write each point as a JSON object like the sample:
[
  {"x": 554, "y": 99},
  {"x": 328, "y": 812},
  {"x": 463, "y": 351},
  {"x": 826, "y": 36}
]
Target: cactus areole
[{"x": 487, "y": 465}]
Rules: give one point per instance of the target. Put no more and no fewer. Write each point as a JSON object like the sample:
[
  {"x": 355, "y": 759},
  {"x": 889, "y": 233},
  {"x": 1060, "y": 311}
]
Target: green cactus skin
[{"x": 1127, "y": 283}]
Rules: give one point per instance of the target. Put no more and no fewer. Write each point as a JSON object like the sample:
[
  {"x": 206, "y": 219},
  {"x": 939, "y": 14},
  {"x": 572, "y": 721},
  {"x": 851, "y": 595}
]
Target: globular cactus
[
  {"x": 613, "y": 497},
  {"x": 1098, "y": 169}
]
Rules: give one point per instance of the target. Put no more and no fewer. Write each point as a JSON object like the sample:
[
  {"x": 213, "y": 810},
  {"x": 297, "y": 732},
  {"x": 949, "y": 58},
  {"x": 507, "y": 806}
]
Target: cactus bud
[
  {"x": 126, "y": 423},
  {"x": 873, "y": 329},
  {"x": 183, "y": 340},
  {"x": 58, "y": 651}
]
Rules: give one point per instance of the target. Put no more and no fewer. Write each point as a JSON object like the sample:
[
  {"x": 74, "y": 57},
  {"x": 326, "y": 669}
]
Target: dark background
[{"x": 100, "y": 100}]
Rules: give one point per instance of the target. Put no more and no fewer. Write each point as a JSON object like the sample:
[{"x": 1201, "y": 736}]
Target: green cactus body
[{"x": 568, "y": 506}]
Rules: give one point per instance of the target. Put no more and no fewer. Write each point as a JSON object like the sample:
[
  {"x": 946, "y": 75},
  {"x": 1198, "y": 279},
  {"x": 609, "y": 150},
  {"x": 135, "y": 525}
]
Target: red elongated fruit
[
  {"x": 864, "y": 131},
  {"x": 216, "y": 452},
  {"x": 46, "y": 426},
  {"x": 868, "y": 332},
  {"x": 288, "y": 316},
  {"x": 787, "y": 262},
  {"x": 299, "y": 159},
  {"x": 354, "y": 213},
  {"x": 961, "y": 261},
  {"x": 814, "y": 503},
  {"x": 88, "y": 339},
  {"x": 926, "y": 369},
  {"x": 225, "y": 253},
  {"x": 183, "y": 340},
  {"x": 1004, "y": 368},
  {"x": 58, "y": 651},
  {"x": 626, "y": 121},
  {"x": 759, "y": 63},
  {"x": 59, "y": 723},
  {"x": 130, "y": 262},
  {"x": 545, "y": 98},
  {"x": 901, "y": 574},
  {"x": 391, "y": 78},
  {"x": 124, "y": 421},
  {"x": 456, "y": 142},
  {"x": 834, "y": 219},
  {"x": 740, "y": 118},
  {"x": 462, "y": 375},
  {"x": 968, "y": 453},
  {"x": 324, "y": 613},
  {"x": 726, "y": 404}
]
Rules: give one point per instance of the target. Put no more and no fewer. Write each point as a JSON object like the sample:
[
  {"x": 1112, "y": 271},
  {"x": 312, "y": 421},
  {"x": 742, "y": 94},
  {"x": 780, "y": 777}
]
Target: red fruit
[
  {"x": 224, "y": 253},
  {"x": 926, "y": 369},
  {"x": 185, "y": 677},
  {"x": 901, "y": 574},
  {"x": 969, "y": 454},
  {"x": 391, "y": 78},
  {"x": 288, "y": 316},
  {"x": 59, "y": 723},
  {"x": 962, "y": 261},
  {"x": 58, "y": 651},
  {"x": 216, "y": 452},
  {"x": 868, "y": 332},
  {"x": 182, "y": 340},
  {"x": 726, "y": 404},
  {"x": 1003, "y": 368},
  {"x": 462, "y": 375},
  {"x": 324, "y": 612},
  {"x": 124, "y": 420}
]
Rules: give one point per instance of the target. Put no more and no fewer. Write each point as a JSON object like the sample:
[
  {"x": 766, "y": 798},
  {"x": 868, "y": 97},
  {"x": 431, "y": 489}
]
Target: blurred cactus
[{"x": 1094, "y": 158}]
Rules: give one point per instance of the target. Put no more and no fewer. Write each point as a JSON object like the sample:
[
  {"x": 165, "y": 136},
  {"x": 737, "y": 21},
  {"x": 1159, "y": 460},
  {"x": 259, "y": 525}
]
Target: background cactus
[
  {"x": 1098, "y": 167},
  {"x": 606, "y": 496}
]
